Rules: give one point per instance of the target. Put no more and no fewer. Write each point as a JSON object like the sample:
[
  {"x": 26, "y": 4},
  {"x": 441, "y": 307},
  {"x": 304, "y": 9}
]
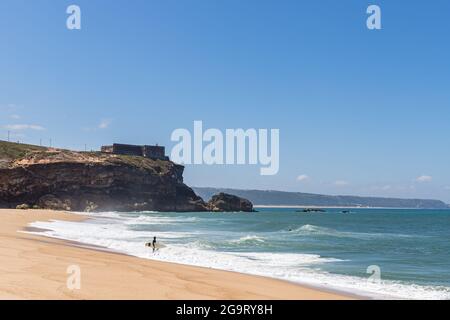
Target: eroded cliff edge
[{"x": 91, "y": 181}]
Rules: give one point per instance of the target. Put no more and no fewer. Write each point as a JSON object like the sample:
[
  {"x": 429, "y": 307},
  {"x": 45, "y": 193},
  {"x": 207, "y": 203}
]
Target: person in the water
[{"x": 154, "y": 244}]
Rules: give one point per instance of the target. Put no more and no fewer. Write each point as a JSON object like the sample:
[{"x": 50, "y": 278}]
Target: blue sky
[{"x": 359, "y": 111}]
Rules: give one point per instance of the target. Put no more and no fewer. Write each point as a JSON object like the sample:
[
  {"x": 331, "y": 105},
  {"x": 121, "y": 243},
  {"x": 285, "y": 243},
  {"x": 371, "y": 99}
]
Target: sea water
[{"x": 379, "y": 253}]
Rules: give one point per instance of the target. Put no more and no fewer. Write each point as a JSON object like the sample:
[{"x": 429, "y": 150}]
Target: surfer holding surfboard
[{"x": 154, "y": 245}]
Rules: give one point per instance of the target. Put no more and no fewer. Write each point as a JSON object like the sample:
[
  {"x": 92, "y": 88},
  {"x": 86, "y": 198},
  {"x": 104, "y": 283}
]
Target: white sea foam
[
  {"x": 145, "y": 218},
  {"x": 112, "y": 230},
  {"x": 248, "y": 239},
  {"x": 309, "y": 229}
]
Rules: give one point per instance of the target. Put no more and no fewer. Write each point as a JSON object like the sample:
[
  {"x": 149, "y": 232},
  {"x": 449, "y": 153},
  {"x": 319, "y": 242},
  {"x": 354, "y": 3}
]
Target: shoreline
[{"x": 36, "y": 268}]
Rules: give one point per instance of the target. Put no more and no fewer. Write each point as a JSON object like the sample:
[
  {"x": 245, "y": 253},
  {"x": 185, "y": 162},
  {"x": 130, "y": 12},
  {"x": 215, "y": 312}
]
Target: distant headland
[{"x": 271, "y": 198}]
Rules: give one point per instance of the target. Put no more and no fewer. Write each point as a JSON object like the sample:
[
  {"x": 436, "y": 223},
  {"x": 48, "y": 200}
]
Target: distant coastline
[
  {"x": 339, "y": 207},
  {"x": 280, "y": 199}
]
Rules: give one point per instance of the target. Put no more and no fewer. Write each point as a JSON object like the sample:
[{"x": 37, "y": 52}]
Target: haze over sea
[{"x": 410, "y": 247}]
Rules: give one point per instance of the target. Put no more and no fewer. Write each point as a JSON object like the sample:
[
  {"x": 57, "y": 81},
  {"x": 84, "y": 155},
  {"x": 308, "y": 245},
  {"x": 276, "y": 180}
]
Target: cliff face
[{"x": 80, "y": 181}]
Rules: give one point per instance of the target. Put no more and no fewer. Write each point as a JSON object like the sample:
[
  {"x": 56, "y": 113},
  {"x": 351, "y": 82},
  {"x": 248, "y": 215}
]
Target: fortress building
[{"x": 153, "y": 152}]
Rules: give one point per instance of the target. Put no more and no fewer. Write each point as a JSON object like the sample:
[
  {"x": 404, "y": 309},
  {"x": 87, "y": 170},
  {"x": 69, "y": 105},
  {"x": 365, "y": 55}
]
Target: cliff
[{"x": 91, "y": 181}]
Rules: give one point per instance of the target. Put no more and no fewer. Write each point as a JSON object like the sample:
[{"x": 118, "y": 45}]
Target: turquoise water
[{"x": 407, "y": 252}]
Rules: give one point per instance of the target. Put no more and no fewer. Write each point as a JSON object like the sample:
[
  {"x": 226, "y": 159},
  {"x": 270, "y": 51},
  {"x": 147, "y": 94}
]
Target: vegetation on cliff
[{"x": 12, "y": 151}]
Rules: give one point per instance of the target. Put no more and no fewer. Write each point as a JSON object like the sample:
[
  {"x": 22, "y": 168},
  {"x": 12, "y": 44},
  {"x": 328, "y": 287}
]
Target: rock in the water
[
  {"x": 224, "y": 202},
  {"x": 23, "y": 207}
]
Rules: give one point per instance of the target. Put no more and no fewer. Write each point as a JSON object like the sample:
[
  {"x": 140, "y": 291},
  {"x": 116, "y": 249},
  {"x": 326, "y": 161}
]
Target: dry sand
[{"x": 35, "y": 267}]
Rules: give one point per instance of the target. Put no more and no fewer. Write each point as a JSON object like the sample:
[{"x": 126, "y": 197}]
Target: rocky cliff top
[
  {"x": 91, "y": 181},
  {"x": 13, "y": 155},
  {"x": 10, "y": 152}
]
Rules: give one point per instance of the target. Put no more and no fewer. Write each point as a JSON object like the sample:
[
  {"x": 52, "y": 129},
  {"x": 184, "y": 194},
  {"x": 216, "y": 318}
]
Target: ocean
[{"x": 376, "y": 253}]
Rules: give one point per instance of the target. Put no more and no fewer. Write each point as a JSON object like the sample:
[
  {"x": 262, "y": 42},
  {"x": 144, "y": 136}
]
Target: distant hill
[{"x": 280, "y": 198}]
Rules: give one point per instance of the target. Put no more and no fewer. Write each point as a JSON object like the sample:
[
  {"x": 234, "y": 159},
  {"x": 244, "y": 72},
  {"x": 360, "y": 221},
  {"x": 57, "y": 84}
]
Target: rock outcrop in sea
[{"x": 224, "y": 202}]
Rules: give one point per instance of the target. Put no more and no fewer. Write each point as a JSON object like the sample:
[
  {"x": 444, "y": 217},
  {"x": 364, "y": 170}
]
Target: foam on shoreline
[{"x": 112, "y": 231}]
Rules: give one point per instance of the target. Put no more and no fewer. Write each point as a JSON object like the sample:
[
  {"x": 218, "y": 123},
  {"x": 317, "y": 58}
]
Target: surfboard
[{"x": 157, "y": 246}]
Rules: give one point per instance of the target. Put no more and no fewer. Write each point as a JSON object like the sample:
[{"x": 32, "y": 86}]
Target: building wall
[
  {"x": 154, "y": 152},
  {"x": 107, "y": 149},
  {"x": 127, "y": 149}
]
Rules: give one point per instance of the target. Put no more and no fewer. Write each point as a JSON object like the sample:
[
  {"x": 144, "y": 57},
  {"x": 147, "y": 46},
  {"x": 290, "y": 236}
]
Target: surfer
[{"x": 154, "y": 244}]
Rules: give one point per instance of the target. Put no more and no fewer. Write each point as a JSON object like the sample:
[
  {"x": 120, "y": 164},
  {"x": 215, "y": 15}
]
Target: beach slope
[{"x": 35, "y": 267}]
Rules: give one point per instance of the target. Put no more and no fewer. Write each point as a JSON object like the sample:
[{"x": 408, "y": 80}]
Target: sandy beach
[{"x": 35, "y": 267}]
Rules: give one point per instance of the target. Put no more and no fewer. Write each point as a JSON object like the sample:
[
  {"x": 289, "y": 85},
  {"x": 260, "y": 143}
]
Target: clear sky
[{"x": 359, "y": 111}]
